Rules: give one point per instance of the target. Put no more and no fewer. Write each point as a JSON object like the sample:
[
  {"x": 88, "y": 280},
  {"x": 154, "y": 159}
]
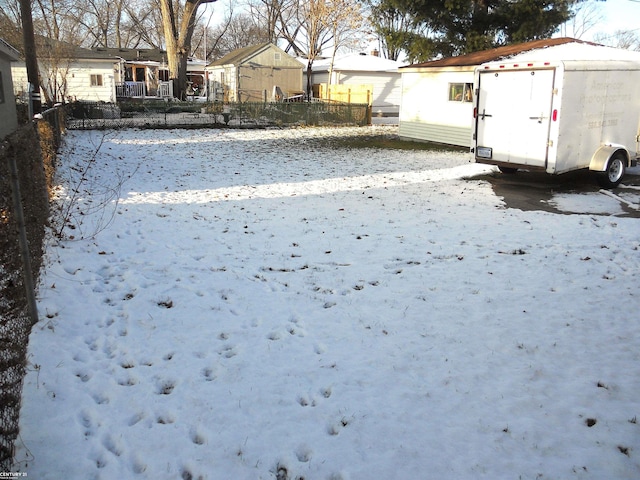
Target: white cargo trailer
[{"x": 559, "y": 115}]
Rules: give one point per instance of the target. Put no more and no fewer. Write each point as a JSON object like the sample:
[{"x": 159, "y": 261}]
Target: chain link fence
[
  {"x": 26, "y": 159},
  {"x": 82, "y": 115}
]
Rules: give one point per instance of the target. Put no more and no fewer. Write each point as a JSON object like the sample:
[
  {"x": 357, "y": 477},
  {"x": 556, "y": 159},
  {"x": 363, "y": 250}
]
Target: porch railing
[
  {"x": 130, "y": 89},
  {"x": 139, "y": 90},
  {"x": 165, "y": 89}
]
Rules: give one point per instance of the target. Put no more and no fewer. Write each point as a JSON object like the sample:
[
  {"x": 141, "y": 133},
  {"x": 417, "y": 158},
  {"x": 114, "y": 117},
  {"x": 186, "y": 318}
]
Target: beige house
[
  {"x": 9, "y": 122},
  {"x": 253, "y": 74}
]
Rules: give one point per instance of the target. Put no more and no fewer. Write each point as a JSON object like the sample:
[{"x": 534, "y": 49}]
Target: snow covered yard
[{"x": 264, "y": 305}]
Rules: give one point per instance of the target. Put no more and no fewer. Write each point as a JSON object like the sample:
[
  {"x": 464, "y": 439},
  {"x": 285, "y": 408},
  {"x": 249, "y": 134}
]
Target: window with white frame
[
  {"x": 96, "y": 80},
  {"x": 461, "y": 92}
]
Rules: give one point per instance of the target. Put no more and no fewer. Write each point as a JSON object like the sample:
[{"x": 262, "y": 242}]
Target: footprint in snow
[
  {"x": 209, "y": 374},
  {"x": 304, "y": 454},
  {"x": 308, "y": 400},
  {"x": 228, "y": 351},
  {"x": 165, "y": 387},
  {"x": 112, "y": 444},
  {"x": 84, "y": 375}
]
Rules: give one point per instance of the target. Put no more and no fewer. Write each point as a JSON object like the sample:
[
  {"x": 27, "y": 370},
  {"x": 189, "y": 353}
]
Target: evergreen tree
[{"x": 456, "y": 27}]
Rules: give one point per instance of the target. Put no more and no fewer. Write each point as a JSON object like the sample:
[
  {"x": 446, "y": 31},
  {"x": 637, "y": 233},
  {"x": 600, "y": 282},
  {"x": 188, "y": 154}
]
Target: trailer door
[{"x": 513, "y": 116}]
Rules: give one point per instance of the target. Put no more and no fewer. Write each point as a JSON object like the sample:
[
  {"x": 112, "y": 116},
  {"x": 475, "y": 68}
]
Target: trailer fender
[{"x": 602, "y": 156}]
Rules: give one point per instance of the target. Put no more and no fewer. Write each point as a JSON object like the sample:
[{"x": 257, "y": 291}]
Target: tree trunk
[
  {"x": 31, "y": 59},
  {"x": 177, "y": 35}
]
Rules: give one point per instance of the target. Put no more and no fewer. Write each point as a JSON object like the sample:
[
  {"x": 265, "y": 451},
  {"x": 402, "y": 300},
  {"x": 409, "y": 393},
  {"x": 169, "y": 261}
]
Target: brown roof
[
  {"x": 46, "y": 46},
  {"x": 133, "y": 54},
  {"x": 236, "y": 57},
  {"x": 476, "y": 58}
]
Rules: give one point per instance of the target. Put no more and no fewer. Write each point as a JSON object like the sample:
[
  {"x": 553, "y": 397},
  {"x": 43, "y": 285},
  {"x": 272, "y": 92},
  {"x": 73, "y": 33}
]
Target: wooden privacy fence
[{"x": 344, "y": 93}]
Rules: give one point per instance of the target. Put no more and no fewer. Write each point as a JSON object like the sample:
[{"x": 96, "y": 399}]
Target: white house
[
  {"x": 68, "y": 73},
  {"x": 379, "y": 74},
  {"x": 437, "y": 96},
  {"x": 9, "y": 122}
]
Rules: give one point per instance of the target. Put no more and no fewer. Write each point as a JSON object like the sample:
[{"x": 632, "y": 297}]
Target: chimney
[{"x": 375, "y": 52}]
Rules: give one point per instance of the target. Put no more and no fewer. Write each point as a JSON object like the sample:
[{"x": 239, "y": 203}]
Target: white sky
[{"x": 612, "y": 15}]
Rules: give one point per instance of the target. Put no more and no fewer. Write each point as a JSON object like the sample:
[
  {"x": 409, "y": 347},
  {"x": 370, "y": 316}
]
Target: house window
[
  {"x": 1, "y": 89},
  {"x": 96, "y": 80},
  {"x": 461, "y": 92},
  {"x": 277, "y": 56}
]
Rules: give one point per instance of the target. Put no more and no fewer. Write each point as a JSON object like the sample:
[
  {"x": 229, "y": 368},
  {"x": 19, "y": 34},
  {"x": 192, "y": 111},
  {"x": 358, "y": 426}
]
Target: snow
[
  {"x": 262, "y": 304},
  {"x": 356, "y": 62},
  {"x": 578, "y": 52}
]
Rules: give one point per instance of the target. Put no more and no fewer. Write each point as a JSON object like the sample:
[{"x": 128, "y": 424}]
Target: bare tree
[
  {"x": 346, "y": 24},
  {"x": 273, "y": 16},
  {"x": 627, "y": 39},
  {"x": 586, "y": 15},
  {"x": 320, "y": 25},
  {"x": 142, "y": 25},
  {"x": 179, "y": 22},
  {"x": 11, "y": 22},
  {"x": 216, "y": 47},
  {"x": 101, "y": 20},
  {"x": 241, "y": 31},
  {"x": 58, "y": 31}
]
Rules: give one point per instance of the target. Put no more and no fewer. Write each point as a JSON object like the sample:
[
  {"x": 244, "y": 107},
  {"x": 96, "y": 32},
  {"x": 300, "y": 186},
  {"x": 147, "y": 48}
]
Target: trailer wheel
[{"x": 612, "y": 176}]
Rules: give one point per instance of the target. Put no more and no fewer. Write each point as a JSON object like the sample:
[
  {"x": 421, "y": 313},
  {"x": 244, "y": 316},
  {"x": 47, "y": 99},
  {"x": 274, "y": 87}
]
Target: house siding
[
  {"x": 78, "y": 81},
  {"x": 434, "y": 132},
  {"x": 426, "y": 113},
  {"x": 9, "y": 121}
]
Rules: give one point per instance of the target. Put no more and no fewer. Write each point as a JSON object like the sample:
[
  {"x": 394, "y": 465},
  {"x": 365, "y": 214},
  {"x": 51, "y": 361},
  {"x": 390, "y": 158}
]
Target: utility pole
[{"x": 30, "y": 57}]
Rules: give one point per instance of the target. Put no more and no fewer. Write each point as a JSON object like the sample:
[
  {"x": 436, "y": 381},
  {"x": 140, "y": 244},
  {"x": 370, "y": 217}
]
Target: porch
[{"x": 133, "y": 89}]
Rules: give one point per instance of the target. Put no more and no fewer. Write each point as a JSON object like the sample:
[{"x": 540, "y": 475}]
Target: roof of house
[
  {"x": 133, "y": 54},
  {"x": 494, "y": 54},
  {"x": 62, "y": 49},
  {"x": 356, "y": 62},
  {"x": 8, "y": 51},
  {"x": 241, "y": 55}
]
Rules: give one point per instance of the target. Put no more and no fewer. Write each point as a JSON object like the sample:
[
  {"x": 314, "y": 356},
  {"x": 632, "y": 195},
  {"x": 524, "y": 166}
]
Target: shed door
[{"x": 514, "y": 115}]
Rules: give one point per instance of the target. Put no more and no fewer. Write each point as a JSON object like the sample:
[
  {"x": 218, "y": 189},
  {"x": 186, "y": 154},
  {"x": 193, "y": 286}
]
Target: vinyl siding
[{"x": 433, "y": 132}]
